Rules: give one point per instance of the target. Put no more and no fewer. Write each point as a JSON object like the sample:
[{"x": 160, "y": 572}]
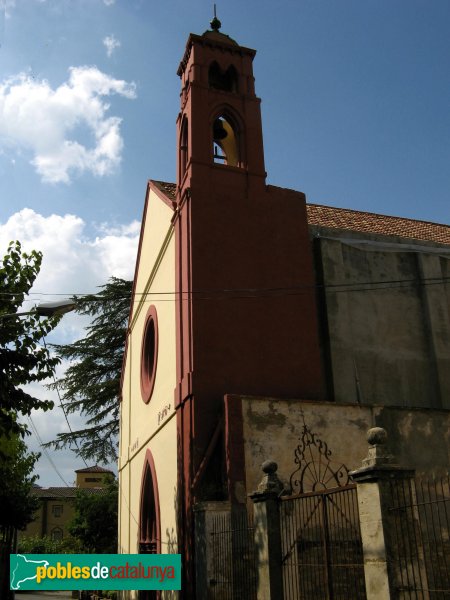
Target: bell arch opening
[
  {"x": 226, "y": 81},
  {"x": 183, "y": 150},
  {"x": 225, "y": 142}
]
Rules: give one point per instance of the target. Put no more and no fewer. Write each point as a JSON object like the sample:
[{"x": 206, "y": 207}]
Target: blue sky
[{"x": 355, "y": 104}]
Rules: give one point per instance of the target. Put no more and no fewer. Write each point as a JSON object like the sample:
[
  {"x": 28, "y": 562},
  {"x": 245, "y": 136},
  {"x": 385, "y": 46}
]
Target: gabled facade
[{"x": 148, "y": 447}]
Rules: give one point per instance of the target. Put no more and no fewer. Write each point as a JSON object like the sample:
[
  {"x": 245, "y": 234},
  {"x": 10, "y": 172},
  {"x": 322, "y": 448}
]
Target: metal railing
[
  {"x": 234, "y": 557},
  {"x": 321, "y": 546},
  {"x": 421, "y": 528}
]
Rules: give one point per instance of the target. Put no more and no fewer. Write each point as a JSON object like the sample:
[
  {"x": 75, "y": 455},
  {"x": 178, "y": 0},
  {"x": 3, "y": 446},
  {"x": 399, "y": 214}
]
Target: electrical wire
[
  {"x": 255, "y": 292},
  {"x": 63, "y": 409},
  {"x": 47, "y": 455}
]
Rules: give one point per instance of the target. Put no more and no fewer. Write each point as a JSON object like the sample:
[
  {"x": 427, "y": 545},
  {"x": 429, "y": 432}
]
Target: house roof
[
  {"x": 356, "y": 220},
  {"x": 55, "y": 492},
  {"x": 94, "y": 469},
  {"x": 63, "y": 492}
]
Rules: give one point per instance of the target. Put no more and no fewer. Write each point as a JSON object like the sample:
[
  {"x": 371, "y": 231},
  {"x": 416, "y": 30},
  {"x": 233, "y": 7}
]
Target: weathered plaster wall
[
  {"x": 152, "y": 425},
  {"x": 387, "y": 313},
  {"x": 272, "y": 428}
]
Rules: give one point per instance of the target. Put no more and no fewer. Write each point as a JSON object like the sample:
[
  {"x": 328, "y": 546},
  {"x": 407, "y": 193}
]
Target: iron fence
[
  {"x": 321, "y": 546},
  {"x": 420, "y": 513},
  {"x": 233, "y": 566}
]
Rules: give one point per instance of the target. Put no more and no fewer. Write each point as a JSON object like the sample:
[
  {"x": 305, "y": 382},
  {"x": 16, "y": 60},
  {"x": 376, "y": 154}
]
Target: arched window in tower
[
  {"x": 226, "y": 81},
  {"x": 183, "y": 148},
  {"x": 225, "y": 142}
]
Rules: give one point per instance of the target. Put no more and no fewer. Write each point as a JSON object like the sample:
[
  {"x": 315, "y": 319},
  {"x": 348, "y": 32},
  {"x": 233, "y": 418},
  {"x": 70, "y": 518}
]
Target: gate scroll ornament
[{"x": 315, "y": 471}]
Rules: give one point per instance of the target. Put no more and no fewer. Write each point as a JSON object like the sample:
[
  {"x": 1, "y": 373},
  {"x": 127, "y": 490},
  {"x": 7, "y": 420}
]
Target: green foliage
[
  {"x": 91, "y": 384},
  {"x": 22, "y": 359},
  {"x": 17, "y": 505},
  {"x": 34, "y": 544},
  {"x": 95, "y": 522}
]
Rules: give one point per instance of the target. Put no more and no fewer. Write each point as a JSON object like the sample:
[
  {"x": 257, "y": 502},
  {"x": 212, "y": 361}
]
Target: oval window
[{"x": 149, "y": 354}]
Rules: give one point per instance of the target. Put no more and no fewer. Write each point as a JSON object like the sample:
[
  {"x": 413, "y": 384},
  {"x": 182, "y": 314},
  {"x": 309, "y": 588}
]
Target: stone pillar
[
  {"x": 391, "y": 570},
  {"x": 267, "y": 534}
]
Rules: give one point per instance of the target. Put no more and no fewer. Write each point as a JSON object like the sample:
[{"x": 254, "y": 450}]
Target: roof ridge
[{"x": 366, "y": 212}]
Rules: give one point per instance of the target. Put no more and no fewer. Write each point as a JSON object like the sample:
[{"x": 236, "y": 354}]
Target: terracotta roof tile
[
  {"x": 95, "y": 469},
  {"x": 169, "y": 189},
  {"x": 55, "y": 492},
  {"x": 63, "y": 492},
  {"x": 355, "y": 220}
]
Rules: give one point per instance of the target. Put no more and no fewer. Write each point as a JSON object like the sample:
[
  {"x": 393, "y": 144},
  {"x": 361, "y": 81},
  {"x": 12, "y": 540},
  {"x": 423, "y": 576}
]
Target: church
[{"x": 256, "y": 316}]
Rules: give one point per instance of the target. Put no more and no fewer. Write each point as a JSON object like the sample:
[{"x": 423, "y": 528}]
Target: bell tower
[
  {"x": 219, "y": 125},
  {"x": 245, "y": 293}
]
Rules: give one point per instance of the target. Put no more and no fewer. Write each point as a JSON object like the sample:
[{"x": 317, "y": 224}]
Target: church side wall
[
  {"x": 150, "y": 426},
  {"x": 387, "y": 307}
]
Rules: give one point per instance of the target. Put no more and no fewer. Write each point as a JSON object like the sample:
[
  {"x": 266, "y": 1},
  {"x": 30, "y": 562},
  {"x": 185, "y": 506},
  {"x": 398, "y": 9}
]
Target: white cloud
[
  {"x": 6, "y": 7},
  {"x": 109, "y": 2},
  {"x": 111, "y": 43},
  {"x": 43, "y": 120},
  {"x": 73, "y": 262}
]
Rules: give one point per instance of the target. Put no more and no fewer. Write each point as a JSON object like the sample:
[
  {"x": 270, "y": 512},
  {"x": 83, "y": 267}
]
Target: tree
[
  {"x": 91, "y": 384},
  {"x": 17, "y": 505},
  {"x": 95, "y": 522},
  {"x": 22, "y": 359}
]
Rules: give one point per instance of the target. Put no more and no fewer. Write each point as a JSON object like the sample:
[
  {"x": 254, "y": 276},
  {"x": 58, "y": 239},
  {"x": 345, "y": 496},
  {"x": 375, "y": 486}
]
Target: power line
[
  {"x": 63, "y": 409},
  {"x": 47, "y": 455},
  {"x": 332, "y": 287}
]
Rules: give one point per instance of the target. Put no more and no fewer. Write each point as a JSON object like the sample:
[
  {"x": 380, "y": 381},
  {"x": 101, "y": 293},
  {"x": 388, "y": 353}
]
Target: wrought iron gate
[
  {"x": 321, "y": 546},
  {"x": 322, "y": 555}
]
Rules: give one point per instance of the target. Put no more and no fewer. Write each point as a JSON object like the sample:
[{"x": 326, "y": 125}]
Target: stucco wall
[
  {"x": 153, "y": 425},
  {"x": 272, "y": 428},
  {"x": 386, "y": 319}
]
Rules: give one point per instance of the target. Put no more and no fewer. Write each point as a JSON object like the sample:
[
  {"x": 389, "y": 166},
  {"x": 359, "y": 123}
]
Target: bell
[{"x": 219, "y": 132}]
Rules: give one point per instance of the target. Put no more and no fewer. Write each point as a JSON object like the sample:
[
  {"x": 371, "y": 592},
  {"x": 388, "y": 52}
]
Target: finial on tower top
[{"x": 215, "y": 23}]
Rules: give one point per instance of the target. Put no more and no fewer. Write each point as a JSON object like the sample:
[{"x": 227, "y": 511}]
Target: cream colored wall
[
  {"x": 101, "y": 480},
  {"x": 151, "y": 425},
  {"x": 164, "y": 453}
]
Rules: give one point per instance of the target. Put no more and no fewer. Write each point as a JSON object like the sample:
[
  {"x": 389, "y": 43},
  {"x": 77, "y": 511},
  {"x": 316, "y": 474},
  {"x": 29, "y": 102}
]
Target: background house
[{"x": 56, "y": 504}]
